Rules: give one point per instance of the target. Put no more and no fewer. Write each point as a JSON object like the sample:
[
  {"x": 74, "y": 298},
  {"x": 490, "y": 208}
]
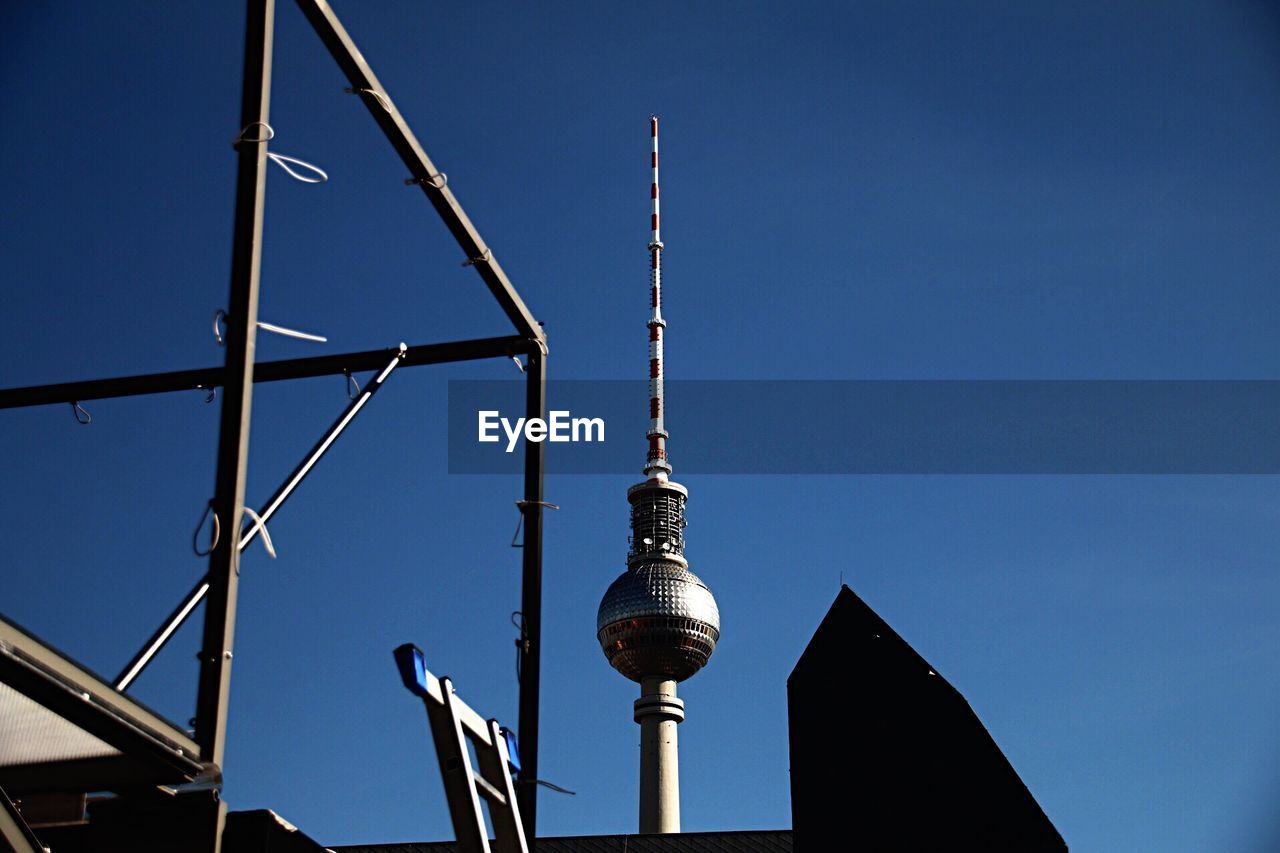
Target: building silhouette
[{"x": 886, "y": 752}]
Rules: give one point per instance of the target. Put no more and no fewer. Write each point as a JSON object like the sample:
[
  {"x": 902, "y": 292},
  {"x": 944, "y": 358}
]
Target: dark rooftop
[{"x": 750, "y": 841}]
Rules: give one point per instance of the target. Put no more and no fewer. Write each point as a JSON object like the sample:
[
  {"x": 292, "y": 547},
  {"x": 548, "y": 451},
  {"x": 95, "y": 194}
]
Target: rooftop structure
[
  {"x": 904, "y": 765},
  {"x": 739, "y": 841}
]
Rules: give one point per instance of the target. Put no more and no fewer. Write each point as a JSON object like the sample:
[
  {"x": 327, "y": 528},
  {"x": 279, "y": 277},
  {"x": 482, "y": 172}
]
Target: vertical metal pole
[
  {"x": 233, "y": 436},
  {"x": 531, "y": 601}
]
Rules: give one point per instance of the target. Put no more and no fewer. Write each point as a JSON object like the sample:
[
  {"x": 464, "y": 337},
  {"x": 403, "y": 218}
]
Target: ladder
[{"x": 452, "y": 723}]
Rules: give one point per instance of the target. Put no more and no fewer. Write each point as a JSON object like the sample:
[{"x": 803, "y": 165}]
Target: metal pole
[
  {"x": 265, "y": 371},
  {"x": 140, "y": 661},
  {"x": 531, "y": 601},
  {"x": 233, "y": 436}
]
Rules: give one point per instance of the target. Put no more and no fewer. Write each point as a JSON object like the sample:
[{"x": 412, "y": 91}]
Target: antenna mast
[{"x": 656, "y": 466}]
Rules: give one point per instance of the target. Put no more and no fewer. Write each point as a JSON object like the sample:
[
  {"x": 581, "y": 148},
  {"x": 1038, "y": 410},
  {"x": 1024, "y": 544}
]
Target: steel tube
[
  {"x": 213, "y": 697},
  {"x": 531, "y": 601},
  {"x": 267, "y": 371},
  {"x": 424, "y": 172}
]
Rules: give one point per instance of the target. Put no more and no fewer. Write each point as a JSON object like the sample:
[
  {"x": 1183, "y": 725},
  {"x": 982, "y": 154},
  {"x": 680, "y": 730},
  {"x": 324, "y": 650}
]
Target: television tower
[{"x": 658, "y": 623}]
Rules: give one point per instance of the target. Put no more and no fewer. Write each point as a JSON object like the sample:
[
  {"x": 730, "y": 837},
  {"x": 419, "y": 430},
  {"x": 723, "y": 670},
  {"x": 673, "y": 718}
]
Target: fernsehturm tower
[{"x": 658, "y": 623}]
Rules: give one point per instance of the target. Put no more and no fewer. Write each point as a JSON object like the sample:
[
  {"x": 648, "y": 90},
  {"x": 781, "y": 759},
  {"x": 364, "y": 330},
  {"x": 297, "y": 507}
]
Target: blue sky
[{"x": 853, "y": 191}]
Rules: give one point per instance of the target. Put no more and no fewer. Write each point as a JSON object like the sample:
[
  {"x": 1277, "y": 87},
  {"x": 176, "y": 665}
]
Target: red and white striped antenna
[{"x": 656, "y": 466}]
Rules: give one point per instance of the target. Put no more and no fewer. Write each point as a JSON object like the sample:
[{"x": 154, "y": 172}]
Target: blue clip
[
  {"x": 413, "y": 669},
  {"x": 513, "y": 749}
]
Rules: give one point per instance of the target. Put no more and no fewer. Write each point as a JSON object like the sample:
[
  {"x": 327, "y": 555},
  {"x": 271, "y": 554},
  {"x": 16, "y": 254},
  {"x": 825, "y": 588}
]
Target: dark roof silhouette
[
  {"x": 885, "y": 752},
  {"x": 765, "y": 841}
]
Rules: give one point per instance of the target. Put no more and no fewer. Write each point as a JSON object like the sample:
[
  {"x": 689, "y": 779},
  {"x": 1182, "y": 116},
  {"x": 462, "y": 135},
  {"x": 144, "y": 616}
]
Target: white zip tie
[
  {"x": 280, "y": 160},
  {"x": 220, "y": 316},
  {"x": 283, "y": 162},
  {"x": 291, "y": 333},
  {"x": 262, "y": 527}
]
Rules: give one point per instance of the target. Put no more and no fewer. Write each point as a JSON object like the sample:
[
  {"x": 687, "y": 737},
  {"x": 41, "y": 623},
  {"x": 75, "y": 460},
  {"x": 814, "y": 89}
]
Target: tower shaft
[{"x": 658, "y": 712}]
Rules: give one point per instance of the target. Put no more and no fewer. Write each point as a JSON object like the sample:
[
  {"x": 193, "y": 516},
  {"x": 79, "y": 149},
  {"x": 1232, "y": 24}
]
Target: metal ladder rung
[{"x": 489, "y": 792}]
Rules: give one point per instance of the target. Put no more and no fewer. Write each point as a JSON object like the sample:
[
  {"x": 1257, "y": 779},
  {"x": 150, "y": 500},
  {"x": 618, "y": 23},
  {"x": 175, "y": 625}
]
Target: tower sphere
[{"x": 658, "y": 619}]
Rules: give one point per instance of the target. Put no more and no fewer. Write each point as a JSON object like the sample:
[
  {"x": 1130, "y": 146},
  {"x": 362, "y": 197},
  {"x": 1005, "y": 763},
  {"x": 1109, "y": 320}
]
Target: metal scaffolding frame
[{"x": 239, "y": 373}]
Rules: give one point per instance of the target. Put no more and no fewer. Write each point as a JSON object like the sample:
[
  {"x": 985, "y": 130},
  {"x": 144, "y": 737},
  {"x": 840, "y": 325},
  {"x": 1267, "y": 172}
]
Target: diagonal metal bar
[
  {"x": 424, "y": 172},
  {"x": 266, "y": 371},
  {"x": 152, "y": 647},
  {"x": 14, "y": 832}
]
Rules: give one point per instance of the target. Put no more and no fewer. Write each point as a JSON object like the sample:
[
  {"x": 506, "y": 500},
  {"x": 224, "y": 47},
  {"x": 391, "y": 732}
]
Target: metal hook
[
  {"x": 213, "y": 392},
  {"x": 217, "y": 532},
  {"x": 353, "y": 387},
  {"x": 515, "y": 536},
  {"x": 522, "y": 644},
  {"x": 523, "y": 505},
  {"x": 218, "y": 317},
  {"x": 82, "y": 417},
  {"x": 485, "y": 258},
  {"x": 235, "y": 143},
  {"x": 378, "y": 96},
  {"x": 517, "y": 619},
  {"x": 437, "y": 181},
  {"x": 519, "y": 366}
]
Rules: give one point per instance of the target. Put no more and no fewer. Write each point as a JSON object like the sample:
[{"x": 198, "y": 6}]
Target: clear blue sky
[{"x": 861, "y": 190}]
